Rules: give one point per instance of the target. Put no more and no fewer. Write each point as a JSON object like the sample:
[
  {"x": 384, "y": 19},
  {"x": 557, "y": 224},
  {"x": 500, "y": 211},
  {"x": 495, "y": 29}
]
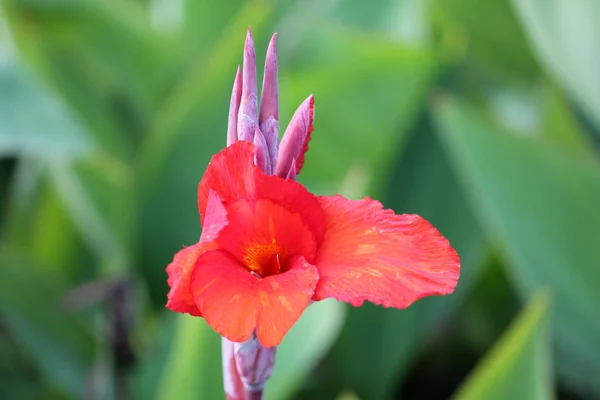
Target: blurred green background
[{"x": 482, "y": 116}]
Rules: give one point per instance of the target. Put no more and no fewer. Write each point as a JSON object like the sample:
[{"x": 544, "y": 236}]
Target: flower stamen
[{"x": 263, "y": 259}]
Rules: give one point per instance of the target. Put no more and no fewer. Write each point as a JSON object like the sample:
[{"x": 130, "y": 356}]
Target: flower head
[{"x": 269, "y": 247}]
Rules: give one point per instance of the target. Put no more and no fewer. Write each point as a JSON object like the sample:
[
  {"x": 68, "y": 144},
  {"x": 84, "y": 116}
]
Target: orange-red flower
[{"x": 269, "y": 247}]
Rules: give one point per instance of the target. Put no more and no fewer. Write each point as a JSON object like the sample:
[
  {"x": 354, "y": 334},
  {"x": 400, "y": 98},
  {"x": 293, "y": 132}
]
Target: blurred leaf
[
  {"x": 345, "y": 69},
  {"x": 519, "y": 366},
  {"x": 363, "y": 15},
  {"x": 32, "y": 120},
  {"x": 203, "y": 79},
  {"x": 37, "y": 220},
  {"x": 492, "y": 31},
  {"x": 101, "y": 55},
  {"x": 192, "y": 366},
  {"x": 203, "y": 31},
  {"x": 561, "y": 127},
  {"x": 53, "y": 239},
  {"x": 29, "y": 305},
  {"x": 22, "y": 200},
  {"x": 566, "y": 37},
  {"x": 97, "y": 194},
  {"x": 540, "y": 202},
  {"x": 424, "y": 184},
  {"x": 304, "y": 346}
]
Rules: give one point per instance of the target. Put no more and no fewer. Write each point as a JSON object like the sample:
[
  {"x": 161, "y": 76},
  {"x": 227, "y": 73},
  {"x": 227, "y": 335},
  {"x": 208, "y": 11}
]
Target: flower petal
[
  {"x": 234, "y": 302},
  {"x": 180, "y": 297},
  {"x": 259, "y": 229},
  {"x": 295, "y": 198},
  {"x": 179, "y": 270},
  {"x": 231, "y": 173},
  {"x": 225, "y": 292},
  {"x": 282, "y": 299},
  {"x": 373, "y": 254},
  {"x": 216, "y": 218}
]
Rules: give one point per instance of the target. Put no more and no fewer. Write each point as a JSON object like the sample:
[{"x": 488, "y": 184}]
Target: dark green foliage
[{"x": 480, "y": 116}]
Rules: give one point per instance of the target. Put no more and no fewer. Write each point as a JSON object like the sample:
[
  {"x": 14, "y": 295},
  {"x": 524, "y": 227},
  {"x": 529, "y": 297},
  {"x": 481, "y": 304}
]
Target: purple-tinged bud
[
  {"x": 269, "y": 100},
  {"x": 292, "y": 171},
  {"x": 234, "y": 106},
  {"x": 246, "y": 128},
  {"x": 262, "y": 159},
  {"x": 254, "y": 363},
  {"x": 270, "y": 130},
  {"x": 232, "y": 382},
  {"x": 248, "y": 112},
  {"x": 295, "y": 139}
]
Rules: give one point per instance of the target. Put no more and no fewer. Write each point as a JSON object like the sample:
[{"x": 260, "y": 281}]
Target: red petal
[
  {"x": 295, "y": 198},
  {"x": 231, "y": 173},
  {"x": 282, "y": 299},
  {"x": 216, "y": 218},
  {"x": 256, "y": 225},
  {"x": 373, "y": 254},
  {"x": 225, "y": 292},
  {"x": 234, "y": 302},
  {"x": 180, "y": 297}
]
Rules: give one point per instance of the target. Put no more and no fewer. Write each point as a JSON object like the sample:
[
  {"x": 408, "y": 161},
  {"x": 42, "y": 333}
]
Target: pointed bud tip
[
  {"x": 311, "y": 101},
  {"x": 273, "y": 41},
  {"x": 308, "y": 106},
  {"x": 249, "y": 38}
]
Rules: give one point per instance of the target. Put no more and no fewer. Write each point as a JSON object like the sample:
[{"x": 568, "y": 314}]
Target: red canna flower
[{"x": 269, "y": 247}]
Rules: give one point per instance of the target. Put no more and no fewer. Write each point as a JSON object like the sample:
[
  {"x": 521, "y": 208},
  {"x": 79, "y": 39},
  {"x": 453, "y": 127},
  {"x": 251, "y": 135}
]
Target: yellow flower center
[{"x": 263, "y": 259}]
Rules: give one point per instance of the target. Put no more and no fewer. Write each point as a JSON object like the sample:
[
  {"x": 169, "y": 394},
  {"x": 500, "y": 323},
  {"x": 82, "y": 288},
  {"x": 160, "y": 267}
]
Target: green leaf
[
  {"x": 201, "y": 30},
  {"x": 565, "y": 35},
  {"x": 519, "y": 365},
  {"x": 102, "y": 56},
  {"x": 344, "y": 70},
  {"x": 540, "y": 202},
  {"x": 561, "y": 127},
  {"x": 30, "y": 307},
  {"x": 195, "y": 89},
  {"x": 33, "y": 120},
  {"x": 97, "y": 195},
  {"x": 423, "y": 183},
  {"x": 304, "y": 347},
  {"x": 192, "y": 368},
  {"x": 492, "y": 32}
]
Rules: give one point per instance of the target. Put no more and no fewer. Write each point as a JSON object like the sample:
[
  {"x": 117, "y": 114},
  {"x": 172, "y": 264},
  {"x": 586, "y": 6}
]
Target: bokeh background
[{"x": 482, "y": 116}]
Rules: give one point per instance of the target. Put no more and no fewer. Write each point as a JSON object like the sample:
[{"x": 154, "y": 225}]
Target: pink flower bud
[
  {"x": 234, "y": 106},
  {"x": 248, "y": 112},
  {"x": 262, "y": 159},
  {"x": 295, "y": 140}
]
